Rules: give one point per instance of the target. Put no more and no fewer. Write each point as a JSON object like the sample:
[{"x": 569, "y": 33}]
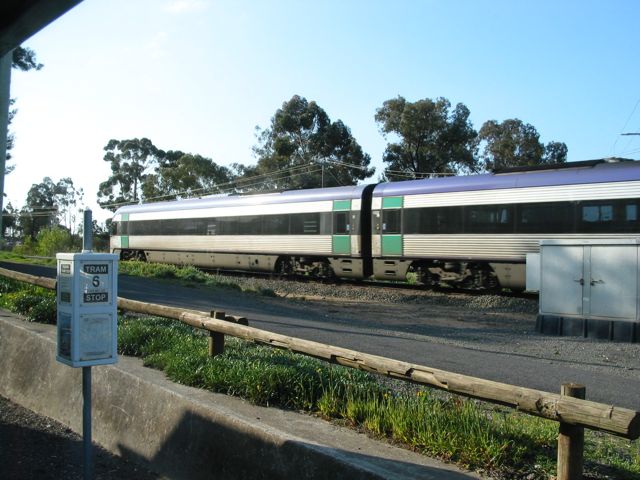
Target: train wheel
[
  {"x": 284, "y": 267},
  {"x": 482, "y": 278}
]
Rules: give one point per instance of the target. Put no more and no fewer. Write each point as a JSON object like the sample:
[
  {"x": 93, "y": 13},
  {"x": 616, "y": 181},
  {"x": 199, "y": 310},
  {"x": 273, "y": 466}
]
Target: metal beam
[{"x": 20, "y": 19}]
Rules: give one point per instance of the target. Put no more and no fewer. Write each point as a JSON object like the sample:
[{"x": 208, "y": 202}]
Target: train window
[
  {"x": 611, "y": 216},
  {"x": 325, "y": 223},
  {"x": 545, "y": 218},
  {"x": 597, "y": 213},
  {"x": 305, "y": 223},
  {"x": 181, "y": 226},
  {"x": 489, "y": 219},
  {"x": 211, "y": 227},
  {"x": 275, "y": 225},
  {"x": 310, "y": 226},
  {"x": 226, "y": 226},
  {"x": 447, "y": 220},
  {"x": 341, "y": 224},
  {"x": 417, "y": 220},
  {"x": 436, "y": 220},
  {"x": 249, "y": 225},
  {"x": 113, "y": 228},
  {"x": 391, "y": 221}
]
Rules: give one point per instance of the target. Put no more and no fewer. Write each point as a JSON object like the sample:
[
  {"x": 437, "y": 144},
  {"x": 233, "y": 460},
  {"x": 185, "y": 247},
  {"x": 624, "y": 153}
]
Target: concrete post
[{"x": 5, "y": 84}]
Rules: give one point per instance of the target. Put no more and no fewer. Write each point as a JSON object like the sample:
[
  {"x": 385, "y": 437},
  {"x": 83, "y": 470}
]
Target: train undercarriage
[
  {"x": 465, "y": 275},
  {"x": 430, "y": 273}
]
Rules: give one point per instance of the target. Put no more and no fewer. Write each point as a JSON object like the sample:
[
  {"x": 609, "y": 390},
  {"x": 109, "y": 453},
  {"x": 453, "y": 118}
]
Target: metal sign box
[
  {"x": 87, "y": 300},
  {"x": 590, "y": 287}
]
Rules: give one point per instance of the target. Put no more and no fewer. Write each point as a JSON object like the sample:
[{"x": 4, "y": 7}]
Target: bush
[
  {"x": 27, "y": 247},
  {"x": 53, "y": 240},
  {"x": 37, "y": 304}
]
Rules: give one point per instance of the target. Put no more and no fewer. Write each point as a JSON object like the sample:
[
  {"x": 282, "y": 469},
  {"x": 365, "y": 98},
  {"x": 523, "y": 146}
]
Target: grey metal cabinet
[{"x": 590, "y": 280}]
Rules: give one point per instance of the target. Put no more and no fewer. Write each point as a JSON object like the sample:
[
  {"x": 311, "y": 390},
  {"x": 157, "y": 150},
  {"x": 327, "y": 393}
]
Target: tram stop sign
[{"x": 87, "y": 300}]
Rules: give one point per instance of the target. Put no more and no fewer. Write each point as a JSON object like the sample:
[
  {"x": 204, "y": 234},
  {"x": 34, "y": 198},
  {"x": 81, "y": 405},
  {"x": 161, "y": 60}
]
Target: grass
[
  {"x": 18, "y": 258},
  {"x": 476, "y": 435},
  {"x": 188, "y": 274}
]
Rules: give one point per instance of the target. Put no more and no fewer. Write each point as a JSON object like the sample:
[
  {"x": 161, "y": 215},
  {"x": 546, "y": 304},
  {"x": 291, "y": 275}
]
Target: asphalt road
[{"x": 313, "y": 321}]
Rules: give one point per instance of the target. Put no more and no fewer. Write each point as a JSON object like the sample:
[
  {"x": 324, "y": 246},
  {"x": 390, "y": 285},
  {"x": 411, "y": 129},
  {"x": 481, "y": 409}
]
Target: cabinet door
[
  {"x": 613, "y": 281},
  {"x": 562, "y": 280}
]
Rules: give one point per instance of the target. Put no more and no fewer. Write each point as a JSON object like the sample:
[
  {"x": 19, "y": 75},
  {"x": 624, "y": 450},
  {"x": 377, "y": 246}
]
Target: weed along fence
[{"x": 568, "y": 408}]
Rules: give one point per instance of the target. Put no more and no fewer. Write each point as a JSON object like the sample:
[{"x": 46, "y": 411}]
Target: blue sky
[{"x": 199, "y": 76}]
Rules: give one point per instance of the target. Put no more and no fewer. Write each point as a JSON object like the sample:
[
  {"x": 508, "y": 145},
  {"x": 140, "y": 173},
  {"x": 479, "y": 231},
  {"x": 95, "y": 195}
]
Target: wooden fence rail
[{"x": 563, "y": 408}]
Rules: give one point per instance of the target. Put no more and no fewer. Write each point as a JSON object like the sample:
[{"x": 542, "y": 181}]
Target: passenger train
[{"x": 467, "y": 231}]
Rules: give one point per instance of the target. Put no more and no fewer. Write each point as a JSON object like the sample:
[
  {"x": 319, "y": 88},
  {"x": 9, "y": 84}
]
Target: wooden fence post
[
  {"x": 571, "y": 440},
  {"x": 216, "y": 339}
]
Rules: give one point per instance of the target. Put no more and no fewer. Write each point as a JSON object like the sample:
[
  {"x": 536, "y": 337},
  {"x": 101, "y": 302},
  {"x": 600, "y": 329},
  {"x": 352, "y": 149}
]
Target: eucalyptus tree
[
  {"x": 23, "y": 59},
  {"x": 131, "y": 161},
  {"x": 303, "y": 148},
  {"x": 49, "y": 204},
  {"x": 181, "y": 175},
  {"x": 426, "y": 137},
  {"x": 513, "y": 143}
]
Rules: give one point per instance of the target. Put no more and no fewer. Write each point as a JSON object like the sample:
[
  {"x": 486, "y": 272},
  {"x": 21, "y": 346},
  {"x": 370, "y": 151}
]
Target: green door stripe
[
  {"x": 392, "y": 202},
  {"x": 391, "y": 244},
  {"x": 341, "y": 244},
  {"x": 341, "y": 205}
]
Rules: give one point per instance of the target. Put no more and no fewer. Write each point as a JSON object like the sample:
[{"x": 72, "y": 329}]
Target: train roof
[
  {"x": 288, "y": 196},
  {"x": 599, "y": 171}
]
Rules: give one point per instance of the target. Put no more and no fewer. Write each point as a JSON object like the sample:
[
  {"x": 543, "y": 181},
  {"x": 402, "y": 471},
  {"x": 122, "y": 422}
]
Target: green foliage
[
  {"x": 467, "y": 432},
  {"x": 303, "y": 148},
  {"x": 186, "y": 273},
  {"x": 181, "y": 175},
  {"x": 513, "y": 143},
  {"x": 431, "y": 138},
  {"x": 48, "y": 204},
  {"x": 53, "y": 240},
  {"x": 141, "y": 171},
  {"x": 24, "y": 58},
  {"x": 27, "y": 247},
  {"x": 606, "y": 454},
  {"x": 130, "y": 162},
  {"x": 261, "y": 374},
  {"x": 35, "y": 303}
]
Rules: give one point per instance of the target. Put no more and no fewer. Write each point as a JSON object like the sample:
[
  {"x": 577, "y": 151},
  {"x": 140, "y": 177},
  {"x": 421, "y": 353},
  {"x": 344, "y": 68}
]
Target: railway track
[{"x": 376, "y": 284}]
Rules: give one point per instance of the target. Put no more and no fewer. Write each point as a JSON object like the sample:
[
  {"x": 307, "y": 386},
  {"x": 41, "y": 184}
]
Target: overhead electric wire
[
  {"x": 274, "y": 177},
  {"x": 633, "y": 111}
]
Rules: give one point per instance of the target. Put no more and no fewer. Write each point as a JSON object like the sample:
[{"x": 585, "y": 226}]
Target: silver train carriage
[
  {"x": 315, "y": 232},
  {"x": 470, "y": 232}
]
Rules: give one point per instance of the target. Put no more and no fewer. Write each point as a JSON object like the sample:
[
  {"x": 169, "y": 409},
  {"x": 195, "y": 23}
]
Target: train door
[
  {"x": 390, "y": 226},
  {"x": 341, "y": 238}
]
